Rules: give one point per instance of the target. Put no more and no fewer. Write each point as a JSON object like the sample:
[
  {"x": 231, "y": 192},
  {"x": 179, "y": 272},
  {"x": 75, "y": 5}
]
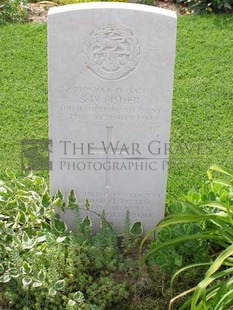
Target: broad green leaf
[
  {"x": 25, "y": 238},
  {"x": 46, "y": 200},
  {"x": 35, "y": 195},
  {"x": 71, "y": 198},
  {"x": 10, "y": 174},
  {"x": 71, "y": 302},
  {"x": 22, "y": 218},
  {"x": 41, "y": 238},
  {"x": 87, "y": 204},
  {"x": 30, "y": 243},
  {"x": 37, "y": 284},
  {"x": 86, "y": 222},
  {"x": 35, "y": 208},
  {"x": 42, "y": 211},
  {"x": 2, "y": 250},
  {"x": 3, "y": 190},
  {"x": 78, "y": 297},
  {"x": 41, "y": 275},
  {"x": 5, "y": 278},
  {"x": 59, "y": 225},
  {"x": 16, "y": 240},
  {"x": 46, "y": 226},
  {"x": 59, "y": 285},
  {"x": 61, "y": 239},
  {"x": 43, "y": 246},
  {"x": 136, "y": 229},
  {"x": 52, "y": 292},
  {"x": 1, "y": 268},
  {"x": 26, "y": 281},
  {"x": 27, "y": 268},
  {"x": 58, "y": 202},
  {"x": 59, "y": 195},
  {"x": 14, "y": 272}
]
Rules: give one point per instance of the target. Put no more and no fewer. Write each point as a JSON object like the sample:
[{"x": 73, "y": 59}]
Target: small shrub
[
  {"x": 212, "y": 210},
  {"x": 13, "y": 11},
  {"x": 44, "y": 266},
  {"x": 207, "y": 6}
]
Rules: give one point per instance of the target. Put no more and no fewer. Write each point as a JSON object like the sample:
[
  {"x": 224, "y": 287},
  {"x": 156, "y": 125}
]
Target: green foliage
[
  {"x": 211, "y": 210},
  {"x": 27, "y": 223},
  {"x": 13, "y": 11},
  {"x": 178, "y": 255},
  {"x": 201, "y": 6},
  {"x": 207, "y": 6},
  {"x": 64, "y": 2},
  {"x": 44, "y": 266}
]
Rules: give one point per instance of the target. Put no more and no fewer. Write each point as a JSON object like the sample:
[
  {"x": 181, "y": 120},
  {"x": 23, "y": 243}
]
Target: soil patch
[{"x": 37, "y": 12}]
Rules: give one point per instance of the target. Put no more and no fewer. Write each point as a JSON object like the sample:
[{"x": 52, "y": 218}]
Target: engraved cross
[{"x": 100, "y": 150}]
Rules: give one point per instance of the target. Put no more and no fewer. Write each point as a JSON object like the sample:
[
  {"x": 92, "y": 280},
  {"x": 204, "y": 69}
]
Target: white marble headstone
[{"x": 110, "y": 93}]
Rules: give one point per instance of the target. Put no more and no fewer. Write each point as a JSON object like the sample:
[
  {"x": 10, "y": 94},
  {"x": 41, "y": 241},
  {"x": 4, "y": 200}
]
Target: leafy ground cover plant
[
  {"x": 13, "y": 11},
  {"x": 207, "y": 6},
  {"x": 212, "y": 210},
  {"x": 45, "y": 266}
]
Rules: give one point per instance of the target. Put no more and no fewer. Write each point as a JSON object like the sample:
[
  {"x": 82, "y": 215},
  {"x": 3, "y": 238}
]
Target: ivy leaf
[
  {"x": 61, "y": 239},
  {"x": 71, "y": 198},
  {"x": 86, "y": 222},
  {"x": 37, "y": 284},
  {"x": 43, "y": 246},
  {"x": 58, "y": 202},
  {"x": 35, "y": 208},
  {"x": 78, "y": 296},
  {"x": 59, "y": 225},
  {"x": 71, "y": 302},
  {"x": 3, "y": 190},
  {"x": 27, "y": 242},
  {"x": 5, "y": 278},
  {"x": 87, "y": 204},
  {"x": 27, "y": 268},
  {"x": 13, "y": 272},
  {"x": 52, "y": 292},
  {"x": 35, "y": 195},
  {"x": 41, "y": 275},
  {"x": 26, "y": 281},
  {"x": 136, "y": 229},
  {"x": 46, "y": 200},
  {"x": 59, "y": 285},
  {"x": 1, "y": 268},
  {"x": 59, "y": 195},
  {"x": 22, "y": 218},
  {"x": 10, "y": 174},
  {"x": 25, "y": 237},
  {"x": 41, "y": 238},
  {"x": 2, "y": 250},
  {"x": 45, "y": 226}
]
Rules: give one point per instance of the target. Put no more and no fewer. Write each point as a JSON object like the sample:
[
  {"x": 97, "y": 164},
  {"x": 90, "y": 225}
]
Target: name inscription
[{"x": 119, "y": 104}]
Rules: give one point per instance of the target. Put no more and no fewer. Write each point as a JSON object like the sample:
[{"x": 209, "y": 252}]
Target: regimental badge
[{"x": 112, "y": 52}]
